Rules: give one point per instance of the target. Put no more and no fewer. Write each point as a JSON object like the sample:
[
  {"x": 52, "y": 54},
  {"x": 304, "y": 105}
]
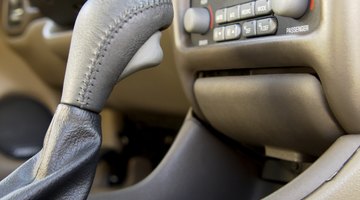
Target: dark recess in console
[
  {"x": 62, "y": 12},
  {"x": 23, "y": 124}
]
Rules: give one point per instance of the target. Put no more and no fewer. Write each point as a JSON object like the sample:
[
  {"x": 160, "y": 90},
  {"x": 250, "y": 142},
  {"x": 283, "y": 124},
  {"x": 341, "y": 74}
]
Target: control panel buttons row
[
  {"x": 252, "y": 28},
  {"x": 211, "y": 21},
  {"x": 231, "y": 32},
  {"x": 243, "y": 11}
]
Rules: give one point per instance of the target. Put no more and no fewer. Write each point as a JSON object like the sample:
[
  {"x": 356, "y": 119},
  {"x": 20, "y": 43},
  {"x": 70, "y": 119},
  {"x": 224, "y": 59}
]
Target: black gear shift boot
[{"x": 64, "y": 168}]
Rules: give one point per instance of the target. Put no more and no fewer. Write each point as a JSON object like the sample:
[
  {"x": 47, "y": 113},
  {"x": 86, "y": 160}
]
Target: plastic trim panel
[{"x": 331, "y": 50}]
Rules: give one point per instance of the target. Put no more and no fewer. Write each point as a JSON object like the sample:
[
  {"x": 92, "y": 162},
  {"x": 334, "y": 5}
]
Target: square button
[
  {"x": 266, "y": 26},
  {"x": 263, "y": 7},
  {"x": 249, "y": 28},
  {"x": 233, "y": 13},
  {"x": 232, "y": 32},
  {"x": 247, "y": 10},
  {"x": 220, "y": 16},
  {"x": 219, "y": 34}
]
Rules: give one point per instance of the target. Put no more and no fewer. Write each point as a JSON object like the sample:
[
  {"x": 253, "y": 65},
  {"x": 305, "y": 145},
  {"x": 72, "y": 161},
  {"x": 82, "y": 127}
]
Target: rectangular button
[
  {"x": 266, "y": 26},
  {"x": 262, "y": 7},
  {"x": 233, "y": 13},
  {"x": 220, "y": 16},
  {"x": 249, "y": 28},
  {"x": 219, "y": 34},
  {"x": 247, "y": 10},
  {"x": 232, "y": 32},
  {"x": 203, "y": 2}
]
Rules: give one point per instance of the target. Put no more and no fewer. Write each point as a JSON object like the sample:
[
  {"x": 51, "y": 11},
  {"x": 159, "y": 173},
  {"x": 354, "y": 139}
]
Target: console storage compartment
[{"x": 280, "y": 110}]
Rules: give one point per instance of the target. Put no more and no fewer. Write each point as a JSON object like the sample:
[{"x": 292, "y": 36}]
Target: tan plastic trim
[
  {"x": 334, "y": 170},
  {"x": 16, "y": 77},
  {"x": 344, "y": 185},
  {"x": 280, "y": 110}
]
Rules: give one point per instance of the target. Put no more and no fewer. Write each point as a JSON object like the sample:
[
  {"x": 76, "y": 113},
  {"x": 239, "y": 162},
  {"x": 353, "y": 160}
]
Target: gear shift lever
[
  {"x": 111, "y": 40},
  {"x": 100, "y": 51}
]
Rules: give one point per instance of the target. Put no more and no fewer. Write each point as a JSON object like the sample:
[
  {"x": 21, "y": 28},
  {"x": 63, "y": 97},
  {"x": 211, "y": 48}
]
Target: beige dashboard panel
[
  {"x": 344, "y": 185},
  {"x": 16, "y": 77}
]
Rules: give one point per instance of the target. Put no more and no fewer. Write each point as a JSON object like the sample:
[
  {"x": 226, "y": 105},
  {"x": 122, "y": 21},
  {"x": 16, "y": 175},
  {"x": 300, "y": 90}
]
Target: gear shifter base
[{"x": 65, "y": 165}]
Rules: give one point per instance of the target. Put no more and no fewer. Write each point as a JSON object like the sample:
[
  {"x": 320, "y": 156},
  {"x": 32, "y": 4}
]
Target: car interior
[{"x": 179, "y": 99}]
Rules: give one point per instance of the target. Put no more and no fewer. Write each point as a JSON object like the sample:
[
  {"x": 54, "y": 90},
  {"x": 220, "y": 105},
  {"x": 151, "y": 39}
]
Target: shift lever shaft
[{"x": 107, "y": 35}]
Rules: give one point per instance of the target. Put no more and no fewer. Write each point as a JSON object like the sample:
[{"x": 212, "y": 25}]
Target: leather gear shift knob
[{"x": 106, "y": 36}]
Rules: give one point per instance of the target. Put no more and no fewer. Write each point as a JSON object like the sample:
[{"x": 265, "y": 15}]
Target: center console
[
  {"x": 254, "y": 70},
  {"x": 244, "y": 80},
  {"x": 279, "y": 75}
]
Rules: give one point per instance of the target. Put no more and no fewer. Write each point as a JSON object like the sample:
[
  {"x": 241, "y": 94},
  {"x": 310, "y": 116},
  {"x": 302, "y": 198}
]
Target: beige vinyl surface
[
  {"x": 344, "y": 185},
  {"x": 17, "y": 77}
]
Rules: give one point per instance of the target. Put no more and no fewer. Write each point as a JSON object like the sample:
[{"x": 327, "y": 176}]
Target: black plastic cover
[
  {"x": 23, "y": 125},
  {"x": 62, "y": 12}
]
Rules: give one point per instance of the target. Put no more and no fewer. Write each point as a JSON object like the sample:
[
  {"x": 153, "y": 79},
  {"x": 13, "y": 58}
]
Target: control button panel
[
  {"x": 267, "y": 26},
  {"x": 232, "y": 20},
  {"x": 243, "y": 12}
]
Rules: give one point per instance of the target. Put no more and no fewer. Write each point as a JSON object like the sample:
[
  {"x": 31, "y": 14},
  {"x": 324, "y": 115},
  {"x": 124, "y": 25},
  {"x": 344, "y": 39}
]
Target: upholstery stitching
[{"x": 113, "y": 29}]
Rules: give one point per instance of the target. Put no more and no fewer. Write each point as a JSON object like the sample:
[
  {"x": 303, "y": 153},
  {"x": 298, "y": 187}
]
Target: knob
[
  {"x": 290, "y": 8},
  {"x": 197, "y": 20},
  {"x": 110, "y": 44}
]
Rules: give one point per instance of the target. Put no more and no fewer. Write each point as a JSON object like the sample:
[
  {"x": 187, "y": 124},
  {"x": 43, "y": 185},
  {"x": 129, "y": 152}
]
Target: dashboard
[{"x": 300, "y": 53}]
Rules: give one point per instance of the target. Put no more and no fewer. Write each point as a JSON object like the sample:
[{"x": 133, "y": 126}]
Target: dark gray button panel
[
  {"x": 243, "y": 11},
  {"x": 232, "y": 20},
  {"x": 267, "y": 26}
]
